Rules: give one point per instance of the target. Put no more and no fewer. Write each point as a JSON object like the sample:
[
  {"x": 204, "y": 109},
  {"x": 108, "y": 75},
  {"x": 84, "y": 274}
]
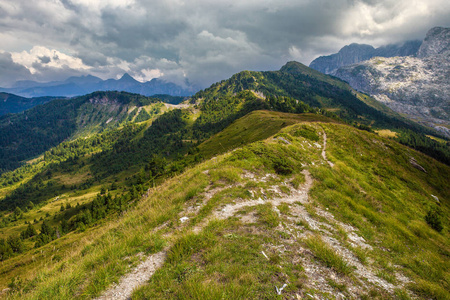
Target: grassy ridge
[
  {"x": 255, "y": 126},
  {"x": 385, "y": 200}
]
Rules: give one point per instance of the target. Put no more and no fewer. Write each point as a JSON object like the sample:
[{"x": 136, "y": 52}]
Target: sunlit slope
[
  {"x": 257, "y": 125},
  {"x": 286, "y": 211}
]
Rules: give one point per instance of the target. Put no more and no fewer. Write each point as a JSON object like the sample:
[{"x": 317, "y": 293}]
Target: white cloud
[{"x": 57, "y": 59}]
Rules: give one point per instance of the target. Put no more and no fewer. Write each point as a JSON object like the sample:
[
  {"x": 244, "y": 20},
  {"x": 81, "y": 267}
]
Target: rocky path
[
  {"x": 324, "y": 153},
  {"x": 137, "y": 277},
  {"x": 320, "y": 222}
]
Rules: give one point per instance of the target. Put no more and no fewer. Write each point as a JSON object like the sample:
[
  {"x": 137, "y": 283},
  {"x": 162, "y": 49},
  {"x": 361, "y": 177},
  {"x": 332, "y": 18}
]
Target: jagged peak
[{"x": 127, "y": 77}]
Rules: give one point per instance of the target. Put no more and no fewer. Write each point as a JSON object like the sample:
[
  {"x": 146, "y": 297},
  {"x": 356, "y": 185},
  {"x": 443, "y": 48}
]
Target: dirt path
[
  {"x": 316, "y": 273},
  {"x": 137, "y": 277},
  {"x": 324, "y": 154},
  {"x": 300, "y": 195}
]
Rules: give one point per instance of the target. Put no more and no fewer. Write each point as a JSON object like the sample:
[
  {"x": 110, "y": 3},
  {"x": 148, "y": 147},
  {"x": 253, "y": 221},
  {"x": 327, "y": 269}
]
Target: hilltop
[{"x": 28, "y": 134}]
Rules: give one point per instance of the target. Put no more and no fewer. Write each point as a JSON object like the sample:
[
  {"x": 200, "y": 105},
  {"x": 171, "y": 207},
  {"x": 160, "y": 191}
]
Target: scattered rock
[
  {"x": 184, "y": 219},
  {"x": 280, "y": 138},
  {"x": 414, "y": 163},
  {"x": 436, "y": 198}
]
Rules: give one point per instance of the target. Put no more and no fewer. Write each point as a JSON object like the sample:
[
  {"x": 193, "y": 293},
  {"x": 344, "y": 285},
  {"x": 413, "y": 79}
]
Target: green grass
[
  {"x": 327, "y": 255},
  {"x": 267, "y": 215},
  {"x": 214, "y": 265},
  {"x": 386, "y": 200},
  {"x": 255, "y": 126}
]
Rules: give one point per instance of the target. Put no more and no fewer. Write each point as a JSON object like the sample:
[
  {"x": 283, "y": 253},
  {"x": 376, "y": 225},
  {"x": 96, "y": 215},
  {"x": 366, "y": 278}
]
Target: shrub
[{"x": 434, "y": 218}]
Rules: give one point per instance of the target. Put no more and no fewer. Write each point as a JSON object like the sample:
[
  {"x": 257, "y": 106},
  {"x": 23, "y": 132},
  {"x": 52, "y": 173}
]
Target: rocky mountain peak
[
  {"x": 437, "y": 41},
  {"x": 355, "y": 53}
]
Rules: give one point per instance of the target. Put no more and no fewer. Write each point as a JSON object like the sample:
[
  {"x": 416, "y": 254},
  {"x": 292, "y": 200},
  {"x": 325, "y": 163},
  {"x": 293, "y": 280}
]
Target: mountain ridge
[
  {"x": 10, "y": 103},
  {"x": 355, "y": 53}
]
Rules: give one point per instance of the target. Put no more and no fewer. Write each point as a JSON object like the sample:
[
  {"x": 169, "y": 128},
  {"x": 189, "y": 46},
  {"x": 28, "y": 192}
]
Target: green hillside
[
  {"x": 10, "y": 103},
  {"x": 309, "y": 208},
  {"x": 329, "y": 95},
  {"x": 30, "y": 133},
  {"x": 313, "y": 88}
]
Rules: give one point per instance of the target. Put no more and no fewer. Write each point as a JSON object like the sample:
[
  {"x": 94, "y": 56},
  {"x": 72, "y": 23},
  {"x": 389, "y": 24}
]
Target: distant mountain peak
[
  {"x": 81, "y": 85},
  {"x": 127, "y": 77}
]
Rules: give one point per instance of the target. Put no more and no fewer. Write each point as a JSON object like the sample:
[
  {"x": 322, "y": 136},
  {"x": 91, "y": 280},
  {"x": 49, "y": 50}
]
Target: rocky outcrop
[
  {"x": 355, "y": 53},
  {"x": 436, "y": 42},
  {"x": 348, "y": 55},
  {"x": 418, "y": 87}
]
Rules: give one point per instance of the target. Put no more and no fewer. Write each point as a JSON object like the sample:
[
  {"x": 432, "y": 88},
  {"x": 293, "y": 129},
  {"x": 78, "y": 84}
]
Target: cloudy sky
[{"x": 202, "y": 40}]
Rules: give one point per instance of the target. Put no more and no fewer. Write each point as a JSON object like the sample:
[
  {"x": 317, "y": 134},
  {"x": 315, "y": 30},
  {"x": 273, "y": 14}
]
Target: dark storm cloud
[
  {"x": 204, "y": 40},
  {"x": 10, "y": 71}
]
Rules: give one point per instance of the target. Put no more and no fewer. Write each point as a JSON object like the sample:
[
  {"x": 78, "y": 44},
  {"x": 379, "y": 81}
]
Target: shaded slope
[{"x": 10, "y": 103}]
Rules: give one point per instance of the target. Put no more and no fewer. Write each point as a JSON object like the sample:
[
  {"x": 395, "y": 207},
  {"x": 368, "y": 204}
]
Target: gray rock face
[
  {"x": 348, "y": 55},
  {"x": 436, "y": 42},
  {"x": 355, "y": 53},
  {"x": 418, "y": 87}
]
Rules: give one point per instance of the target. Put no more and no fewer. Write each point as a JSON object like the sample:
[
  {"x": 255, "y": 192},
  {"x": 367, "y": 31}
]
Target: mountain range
[{"x": 76, "y": 86}]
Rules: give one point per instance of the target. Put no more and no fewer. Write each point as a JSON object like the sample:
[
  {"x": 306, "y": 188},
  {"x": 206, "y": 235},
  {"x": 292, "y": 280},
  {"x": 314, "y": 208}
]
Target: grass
[
  {"x": 298, "y": 180},
  {"x": 387, "y": 133},
  {"x": 284, "y": 208},
  {"x": 214, "y": 265},
  {"x": 386, "y": 200},
  {"x": 267, "y": 215},
  {"x": 327, "y": 255},
  {"x": 256, "y": 126}
]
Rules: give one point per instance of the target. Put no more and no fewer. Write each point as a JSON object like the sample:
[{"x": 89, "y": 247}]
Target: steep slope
[
  {"x": 437, "y": 41},
  {"x": 271, "y": 219},
  {"x": 10, "y": 103},
  {"x": 418, "y": 87},
  {"x": 28, "y": 134},
  {"x": 355, "y": 53}
]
